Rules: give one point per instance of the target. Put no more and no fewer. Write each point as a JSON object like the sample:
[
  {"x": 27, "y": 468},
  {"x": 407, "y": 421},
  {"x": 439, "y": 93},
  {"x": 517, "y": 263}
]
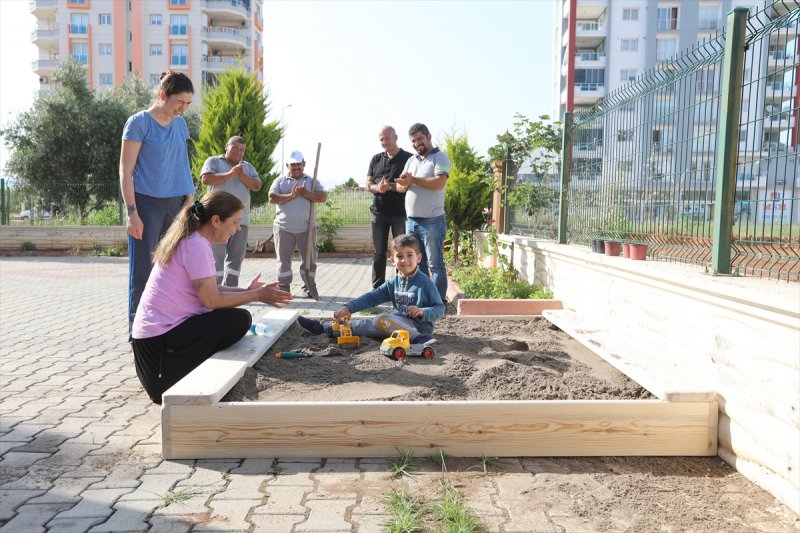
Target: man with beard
[
  {"x": 423, "y": 180},
  {"x": 388, "y": 206},
  {"x": 231, "y": 173}
]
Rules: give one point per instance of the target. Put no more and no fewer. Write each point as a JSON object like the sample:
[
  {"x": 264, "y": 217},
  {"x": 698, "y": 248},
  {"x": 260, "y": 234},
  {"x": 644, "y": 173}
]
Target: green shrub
[
  {"x": 108, "y": 216},
  {"x": 479, "y": 282},
  {"x": 27, "y": 246}
]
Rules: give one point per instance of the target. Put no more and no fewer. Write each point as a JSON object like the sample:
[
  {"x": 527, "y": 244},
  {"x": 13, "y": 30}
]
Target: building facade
[
  {"x": 114, "y": 38},
  {"x": 602, "y": 45}
]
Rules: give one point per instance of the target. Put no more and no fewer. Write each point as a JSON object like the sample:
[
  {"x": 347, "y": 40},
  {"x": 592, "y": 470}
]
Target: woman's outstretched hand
[{"x": 272, "y": 295}]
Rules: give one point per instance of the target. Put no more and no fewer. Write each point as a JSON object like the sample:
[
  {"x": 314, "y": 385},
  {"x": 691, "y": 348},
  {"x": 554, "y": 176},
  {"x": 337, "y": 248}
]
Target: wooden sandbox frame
[{"x": 195, "y": 424}]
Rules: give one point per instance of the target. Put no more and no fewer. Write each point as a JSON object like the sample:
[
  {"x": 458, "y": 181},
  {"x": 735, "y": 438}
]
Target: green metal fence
[{"x": 697, "y": 158}]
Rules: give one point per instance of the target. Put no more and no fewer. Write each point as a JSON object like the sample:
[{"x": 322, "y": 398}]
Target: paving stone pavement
[{"x": 80, "y": 443}]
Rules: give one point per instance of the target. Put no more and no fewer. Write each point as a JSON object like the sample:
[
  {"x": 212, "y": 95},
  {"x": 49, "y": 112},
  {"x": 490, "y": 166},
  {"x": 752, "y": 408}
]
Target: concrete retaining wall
[
  {"x": 739, "y": 337},
  {"x": 352, "y": 238}
]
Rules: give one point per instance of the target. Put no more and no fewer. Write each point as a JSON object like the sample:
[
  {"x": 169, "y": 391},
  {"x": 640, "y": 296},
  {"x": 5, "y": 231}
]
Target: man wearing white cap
[{"x": 292, "y": 194}]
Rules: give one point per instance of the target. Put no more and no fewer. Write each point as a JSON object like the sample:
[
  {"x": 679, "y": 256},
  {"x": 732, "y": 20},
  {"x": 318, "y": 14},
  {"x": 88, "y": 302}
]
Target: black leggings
[{"x": 164, "y": 360}]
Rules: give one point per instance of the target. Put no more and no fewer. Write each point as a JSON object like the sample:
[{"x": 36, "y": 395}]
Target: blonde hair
[{"x": 192, "y": 217}]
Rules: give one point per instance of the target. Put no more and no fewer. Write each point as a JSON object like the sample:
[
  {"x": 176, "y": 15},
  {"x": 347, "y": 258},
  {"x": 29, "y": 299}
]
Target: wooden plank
[
  {"x": 210, "y": 381},
  {"x": 632, "y": 355},
  {"x": 459, "y": 428}
]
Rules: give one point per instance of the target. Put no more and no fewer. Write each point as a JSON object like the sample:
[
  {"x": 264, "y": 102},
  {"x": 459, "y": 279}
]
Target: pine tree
[{"x": 237, "y": 105}]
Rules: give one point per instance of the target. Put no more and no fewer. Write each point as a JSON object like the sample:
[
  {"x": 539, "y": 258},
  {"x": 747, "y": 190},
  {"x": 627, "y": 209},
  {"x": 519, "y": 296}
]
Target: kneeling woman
[{"x": 183, "y": 316}]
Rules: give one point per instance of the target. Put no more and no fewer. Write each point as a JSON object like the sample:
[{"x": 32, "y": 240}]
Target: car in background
[{"x": 41, "y": 215}]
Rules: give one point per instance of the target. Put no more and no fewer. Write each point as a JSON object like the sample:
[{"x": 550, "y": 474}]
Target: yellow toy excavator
[{"x": 346, "y": 339}]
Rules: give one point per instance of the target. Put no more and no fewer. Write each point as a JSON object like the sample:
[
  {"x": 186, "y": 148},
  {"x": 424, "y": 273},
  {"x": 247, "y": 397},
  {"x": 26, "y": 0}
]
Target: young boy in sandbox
[{"x": 416, "y": 302}]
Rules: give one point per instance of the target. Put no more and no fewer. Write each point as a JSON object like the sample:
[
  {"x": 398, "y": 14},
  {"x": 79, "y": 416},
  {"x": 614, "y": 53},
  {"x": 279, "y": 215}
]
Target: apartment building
[
  {"x": 602, "y": 45},
  {"x": 116, "y": 37}
]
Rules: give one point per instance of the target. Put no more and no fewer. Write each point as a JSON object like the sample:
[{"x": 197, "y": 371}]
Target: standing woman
[
  {"x": 154, "y": 175},
  {"x": 184, "y": 317}
]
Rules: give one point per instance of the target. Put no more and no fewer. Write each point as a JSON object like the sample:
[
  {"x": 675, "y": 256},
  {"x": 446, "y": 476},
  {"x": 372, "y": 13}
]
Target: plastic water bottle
[{"x": 259, "y": 328}]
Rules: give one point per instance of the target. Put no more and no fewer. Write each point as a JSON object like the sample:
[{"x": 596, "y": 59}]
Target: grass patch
[
  {"x": 485, "y": 463},
  {"x": 406, "y": 512},
  {"x": 453, "y": 514},
  {"x": 403, "y": 465},
  {"x": 177, "y": 496},
  {"x": 275, "y": 468}
]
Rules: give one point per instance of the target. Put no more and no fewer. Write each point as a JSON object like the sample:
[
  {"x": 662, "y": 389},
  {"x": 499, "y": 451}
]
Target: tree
[
  {"x": 351, "y": 183},
  {"x": 539, "y": 143},
  {"x": 237, "y": 105},
  {"x": 469, "y": 188},
  {"x": 65, "y": 148}
]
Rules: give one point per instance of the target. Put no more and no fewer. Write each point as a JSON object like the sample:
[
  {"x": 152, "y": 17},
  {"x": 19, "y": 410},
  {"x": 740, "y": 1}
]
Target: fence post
[
  {"x": 728, "y": 142},
  {"x": 566, "y": 172},
  {"x": 507, "y": 166},
  {"x": 3, "y": 219}
]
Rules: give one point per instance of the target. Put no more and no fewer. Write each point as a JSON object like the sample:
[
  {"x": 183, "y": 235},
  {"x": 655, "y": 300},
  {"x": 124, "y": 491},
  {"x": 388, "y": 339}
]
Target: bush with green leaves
[{"x": 495, "y": 283}]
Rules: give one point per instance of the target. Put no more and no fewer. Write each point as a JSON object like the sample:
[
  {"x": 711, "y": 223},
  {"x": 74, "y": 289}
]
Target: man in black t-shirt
[{"x": 388, "y": 206}]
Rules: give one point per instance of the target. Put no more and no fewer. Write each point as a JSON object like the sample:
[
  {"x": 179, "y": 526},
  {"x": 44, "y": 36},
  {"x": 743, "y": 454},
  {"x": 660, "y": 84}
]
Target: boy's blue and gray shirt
[{"x": 416, "y": 289}]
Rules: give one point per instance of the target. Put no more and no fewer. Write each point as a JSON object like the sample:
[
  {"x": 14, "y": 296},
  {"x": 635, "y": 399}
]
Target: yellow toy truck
[
  {"x": 398, "y": 345},
  {"x": 346, "y": 339}
]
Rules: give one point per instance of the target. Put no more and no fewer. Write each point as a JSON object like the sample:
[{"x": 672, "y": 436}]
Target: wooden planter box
[
  {"x": 498, "y": 307},
  {"x": 196, "y": 425}
]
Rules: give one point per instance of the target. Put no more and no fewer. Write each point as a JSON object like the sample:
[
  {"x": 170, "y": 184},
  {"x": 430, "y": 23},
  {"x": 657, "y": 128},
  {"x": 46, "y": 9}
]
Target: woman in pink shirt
[{"x": 184, "y": 317}]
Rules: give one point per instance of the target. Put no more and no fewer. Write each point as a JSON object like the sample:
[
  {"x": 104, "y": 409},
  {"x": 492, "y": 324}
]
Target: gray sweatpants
[
  {"x": 381, "y": 326},
  {"x": 285, "y": 243},
  {"x": 228, "y": 258}
]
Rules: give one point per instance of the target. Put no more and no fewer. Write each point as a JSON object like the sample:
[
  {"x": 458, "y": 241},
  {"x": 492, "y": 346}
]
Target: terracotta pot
[
  {"x": 638, "y": 252},
  {"x": 613, "y": 248},
  {"x": 626, "y": 250}
]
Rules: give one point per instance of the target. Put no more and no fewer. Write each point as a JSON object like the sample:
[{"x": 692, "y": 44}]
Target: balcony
[
  {"x": 220, "y": 63},
  {"x": 43, "y": 8},
  {"x": 779, "y": 121},
  {"x": 226, "y": 10},
  {"x": 78, "y": 30},
  {"x": 779, "y": 91},
  {"x": 45, "y": 37},
  {"x": 590, "y": 60},
  {"x": 589, "y": 93},
  {"x": 44, "y": 66},
  {"x": 222, "y": 37}
]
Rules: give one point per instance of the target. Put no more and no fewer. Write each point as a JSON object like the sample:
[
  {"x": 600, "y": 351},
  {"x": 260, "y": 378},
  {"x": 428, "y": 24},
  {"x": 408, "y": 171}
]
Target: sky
[{"x": 337, "y": 71}]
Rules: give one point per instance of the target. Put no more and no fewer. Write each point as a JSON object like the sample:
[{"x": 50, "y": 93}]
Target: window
[
  {"x": 629, "y": 45},
  {"x": 80, "y": 52},
  {"x": 155, "y": 49},
  {"x": 106, "y": 79},
  {"x": 665, "y": 48},
  {"x": 590, "y": 76},
  {"x": 79, "y": 23},
  {"x": 625, "y": 135},
  {"x": 105, "y": 49},
  {"x": 630, "y": 13},
  {"x": 155, "y": 20},
  {"x": 104, "y": 19},
  {"x": 177, "y": 2},
  {"x": 180, "y": 55},
  {"x": 668, "y": 18},
  {"x": 154, "y": 79},
  {"x": 708, "y": 18},
  {"x": 627, "y": 74},
  {"x": 178, "y": 24},
  {"x": 705, "y": 80}
]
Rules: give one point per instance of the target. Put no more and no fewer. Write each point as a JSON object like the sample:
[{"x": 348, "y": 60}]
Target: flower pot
[
  {"x": 613, "y": 248},
  {"x": 598, "y": 246},
  {"x": 639, "y": 252},
  {"x": 626, "y": 250}
]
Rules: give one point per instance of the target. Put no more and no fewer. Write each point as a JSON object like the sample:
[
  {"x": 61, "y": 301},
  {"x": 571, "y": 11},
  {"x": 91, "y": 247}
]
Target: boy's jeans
[{"x": 430, "y": 233}]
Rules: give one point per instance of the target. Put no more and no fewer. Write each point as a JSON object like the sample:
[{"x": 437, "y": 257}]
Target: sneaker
[
  {"x": 424, "y": 339},
  {"x": 312, "y": 326}
]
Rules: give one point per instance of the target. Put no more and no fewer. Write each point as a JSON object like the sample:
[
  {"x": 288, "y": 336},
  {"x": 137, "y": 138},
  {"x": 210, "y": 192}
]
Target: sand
[{"x": 476, "y": 359}]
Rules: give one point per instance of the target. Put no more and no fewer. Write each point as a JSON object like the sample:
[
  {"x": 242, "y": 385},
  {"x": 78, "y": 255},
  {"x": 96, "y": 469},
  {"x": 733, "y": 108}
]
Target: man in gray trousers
[
  {"x": 231, "y": 173},
  {"x": 293, "y": 193}
]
